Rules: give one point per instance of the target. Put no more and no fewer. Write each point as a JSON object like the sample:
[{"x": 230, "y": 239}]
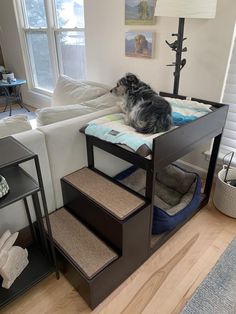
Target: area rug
[
  {"x": 217, "y": 293},
  {"x": 31, "y": 115}
]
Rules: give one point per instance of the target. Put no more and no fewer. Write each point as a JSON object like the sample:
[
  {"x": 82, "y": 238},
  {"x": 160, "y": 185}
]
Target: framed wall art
[
  {"x": 139, "y": 44},
  {"x": 139, "y": 12}
]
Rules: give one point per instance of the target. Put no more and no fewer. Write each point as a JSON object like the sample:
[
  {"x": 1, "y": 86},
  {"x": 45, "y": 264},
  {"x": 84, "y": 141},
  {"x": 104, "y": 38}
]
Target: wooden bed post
[
  {"x": 212, "y": 165},
  {"x": 151, "y": 183},
  {"x": 90, "y": 152}
]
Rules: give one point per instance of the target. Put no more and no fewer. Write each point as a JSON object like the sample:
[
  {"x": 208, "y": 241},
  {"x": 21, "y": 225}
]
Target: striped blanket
[{"x": 112, "y": 128}]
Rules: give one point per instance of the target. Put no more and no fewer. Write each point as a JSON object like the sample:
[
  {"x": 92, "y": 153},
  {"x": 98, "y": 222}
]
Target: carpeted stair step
[
  {"x": 77, "y": 243},
  {"x": 113, "y": 198}
]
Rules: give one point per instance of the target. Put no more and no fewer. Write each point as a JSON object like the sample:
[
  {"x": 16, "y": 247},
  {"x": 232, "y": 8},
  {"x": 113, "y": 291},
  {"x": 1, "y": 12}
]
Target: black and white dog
[{"x": 144, "y": 109}]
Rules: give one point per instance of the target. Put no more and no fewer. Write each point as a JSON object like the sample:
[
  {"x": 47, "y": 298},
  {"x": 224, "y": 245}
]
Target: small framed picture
[
  {"x": 140, "y": 12},
  {"x": 139, "y": 44}
]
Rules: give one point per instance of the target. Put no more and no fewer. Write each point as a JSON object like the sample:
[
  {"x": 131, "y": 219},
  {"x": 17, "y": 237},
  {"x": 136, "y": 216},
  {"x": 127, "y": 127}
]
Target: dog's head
[{"x": 128, "y": 82}]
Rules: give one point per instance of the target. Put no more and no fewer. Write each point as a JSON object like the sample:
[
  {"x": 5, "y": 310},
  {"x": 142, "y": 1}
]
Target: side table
[
  {"x": 42, "y": 258},
  {"x": 12, "y": 93}
]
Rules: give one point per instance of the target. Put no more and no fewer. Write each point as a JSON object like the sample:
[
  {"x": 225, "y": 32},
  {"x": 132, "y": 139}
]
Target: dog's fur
[{"x": 144, "y": 109}]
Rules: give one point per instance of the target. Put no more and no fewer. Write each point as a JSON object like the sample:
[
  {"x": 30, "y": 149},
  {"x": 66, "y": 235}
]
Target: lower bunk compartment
[
  {"x": 168, "y": 220},
  {"x": 177, "y": 194}
]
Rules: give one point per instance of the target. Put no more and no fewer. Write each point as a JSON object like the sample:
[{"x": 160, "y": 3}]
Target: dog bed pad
[
  {"x": 112, "y": 128},
  {"x": 177, "y": 194}
]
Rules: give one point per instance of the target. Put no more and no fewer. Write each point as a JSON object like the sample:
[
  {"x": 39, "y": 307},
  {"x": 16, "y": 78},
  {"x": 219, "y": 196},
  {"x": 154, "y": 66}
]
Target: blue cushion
[{"x": 163, "y": 222}]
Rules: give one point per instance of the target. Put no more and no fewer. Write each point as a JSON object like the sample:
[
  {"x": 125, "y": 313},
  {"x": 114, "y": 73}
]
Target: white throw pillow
[
  {"x": 13, "y": 125},
  {"x": 50, "y": 115},
  {"x": 69, "y": 91},
  {"x": 106, "y": 101},
  {"x": 92, "y": 83}
]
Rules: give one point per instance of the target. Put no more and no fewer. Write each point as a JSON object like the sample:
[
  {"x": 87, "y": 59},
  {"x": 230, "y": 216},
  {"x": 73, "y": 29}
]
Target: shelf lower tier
[
  {"x": 38, "y": 268},
  {"x": 21, "y": 184}
]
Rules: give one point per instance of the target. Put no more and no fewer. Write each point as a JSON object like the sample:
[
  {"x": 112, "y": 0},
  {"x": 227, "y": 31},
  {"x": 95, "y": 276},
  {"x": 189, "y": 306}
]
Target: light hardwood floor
[
  {"x": 16, "y": 106},
  {"x": 160, "y": 286},
  {"x": 31, "y": 108}
]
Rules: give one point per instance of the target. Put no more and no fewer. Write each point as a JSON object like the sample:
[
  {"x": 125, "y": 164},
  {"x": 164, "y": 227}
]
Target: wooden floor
[
  {"x": 33, "y": 109},
  {"x": 161, "y": 286},
  {"x": 16, "y": 106}
]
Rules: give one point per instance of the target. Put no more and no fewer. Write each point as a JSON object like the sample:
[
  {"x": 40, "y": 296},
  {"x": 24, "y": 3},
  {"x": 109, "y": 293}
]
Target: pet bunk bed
[
  {"x": 104, "y": 230},
  {"x": 166, "y": 149}
]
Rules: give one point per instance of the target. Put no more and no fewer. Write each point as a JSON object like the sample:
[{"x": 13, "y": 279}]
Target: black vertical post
[
  {"x": 45, "y": 209},
  {"x": 90, "y": 152},
  {"x": 178, "y": 56},
  {"x": 212, "y": 165},
  {"x": 151, "y": 186},
  {"x": 39, "y": 218},
  {"x": 33, "y": 232}
]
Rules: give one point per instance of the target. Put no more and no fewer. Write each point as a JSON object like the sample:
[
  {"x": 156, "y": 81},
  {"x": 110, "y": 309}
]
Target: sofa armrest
[{"x": 67, "y": 150}]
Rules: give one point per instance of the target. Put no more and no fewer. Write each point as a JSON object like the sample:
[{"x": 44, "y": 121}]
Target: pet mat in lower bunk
[{"x": 177, "y": 194}]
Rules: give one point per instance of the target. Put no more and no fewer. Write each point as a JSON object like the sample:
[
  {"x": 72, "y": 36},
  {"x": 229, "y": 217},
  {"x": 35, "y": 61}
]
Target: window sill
[
  {"x": 37, "y": 99},
  {"x": 40, "y": 91}
]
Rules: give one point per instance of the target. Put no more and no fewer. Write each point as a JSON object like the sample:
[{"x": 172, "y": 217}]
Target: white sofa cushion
[
  {"x": 14, "y": 217},
  {"x": 92, "y": 83},
  {"x": 14, "y": 124},
  {"x": 67, "y": 150},
  {"x": 69, "y": 91},
  {"x": 50, "y": 115}
]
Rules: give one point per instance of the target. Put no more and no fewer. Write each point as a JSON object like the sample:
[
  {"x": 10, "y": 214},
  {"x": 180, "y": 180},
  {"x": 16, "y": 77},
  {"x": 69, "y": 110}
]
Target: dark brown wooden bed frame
[
  {"x": 132, "y": 237},
  {"x": 170, "y": 147}
]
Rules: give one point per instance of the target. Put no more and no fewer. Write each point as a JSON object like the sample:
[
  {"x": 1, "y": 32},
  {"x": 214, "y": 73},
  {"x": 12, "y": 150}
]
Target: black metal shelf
[
  {"x": 21, "y": 185},
  {"x": 13, "y": 152},
  {"x": 39, "y": 267}
]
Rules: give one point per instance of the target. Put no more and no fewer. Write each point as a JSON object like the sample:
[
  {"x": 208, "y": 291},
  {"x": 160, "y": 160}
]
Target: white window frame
[{"x": 51, "y": 30}]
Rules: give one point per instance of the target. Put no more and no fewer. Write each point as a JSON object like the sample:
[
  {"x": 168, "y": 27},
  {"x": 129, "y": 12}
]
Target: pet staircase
[{"x": 102, "y": 233}]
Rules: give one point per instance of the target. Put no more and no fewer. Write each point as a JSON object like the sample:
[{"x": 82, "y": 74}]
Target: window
[
  {"x": 53, "y": 37},
  {"x": 229, "y": 136}
]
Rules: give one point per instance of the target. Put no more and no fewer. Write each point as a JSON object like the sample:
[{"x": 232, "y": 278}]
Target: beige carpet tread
[
  {"x": 86, "y": 250},
  {"x": 112, "y": 197}
]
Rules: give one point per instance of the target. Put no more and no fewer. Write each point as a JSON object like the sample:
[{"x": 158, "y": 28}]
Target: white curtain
[{"x": 229, "y": 136}]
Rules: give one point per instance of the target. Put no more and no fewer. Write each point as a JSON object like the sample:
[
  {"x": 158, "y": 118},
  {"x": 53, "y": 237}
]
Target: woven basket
[{"x": 224, "y": 197}]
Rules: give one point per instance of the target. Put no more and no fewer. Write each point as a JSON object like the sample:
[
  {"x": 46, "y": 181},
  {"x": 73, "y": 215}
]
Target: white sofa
[
  {"x": 61, "y": 149},
  {"x": 75, "y": 98}
]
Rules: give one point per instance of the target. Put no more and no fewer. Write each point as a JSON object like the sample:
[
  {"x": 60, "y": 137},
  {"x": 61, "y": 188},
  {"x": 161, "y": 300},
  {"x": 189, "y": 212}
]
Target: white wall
[
  {"x": 208, "y": 43},
  {"x": 12, "y": 54},
  {"x": 9, "y": 39},
  {"x": 208, "y": 46}
]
